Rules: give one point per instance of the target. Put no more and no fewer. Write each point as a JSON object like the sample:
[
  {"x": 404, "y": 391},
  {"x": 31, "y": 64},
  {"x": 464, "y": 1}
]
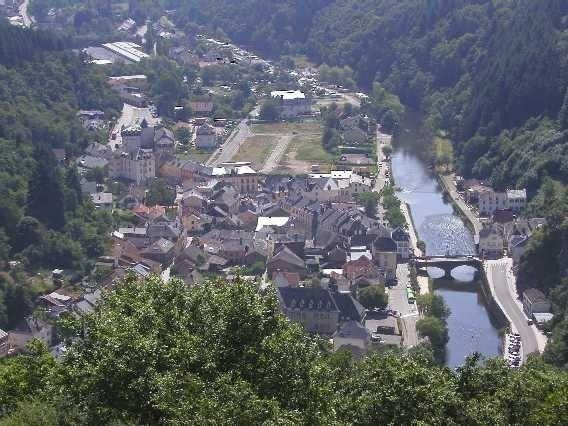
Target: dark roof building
[{"x": 385, "y": 244}]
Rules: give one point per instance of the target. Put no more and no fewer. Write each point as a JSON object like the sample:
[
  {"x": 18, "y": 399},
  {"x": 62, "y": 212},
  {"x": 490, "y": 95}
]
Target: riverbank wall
[
  {"x": 459, "y": 206},
  {"x": 492, "y": 303}
]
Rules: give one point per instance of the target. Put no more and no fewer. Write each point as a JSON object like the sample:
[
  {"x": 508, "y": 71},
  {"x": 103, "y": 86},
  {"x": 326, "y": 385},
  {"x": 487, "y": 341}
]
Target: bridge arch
[{"x": 448, "y": 263}]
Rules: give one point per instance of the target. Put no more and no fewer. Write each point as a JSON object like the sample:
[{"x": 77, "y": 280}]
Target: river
[{"x": 470, "y": 326}]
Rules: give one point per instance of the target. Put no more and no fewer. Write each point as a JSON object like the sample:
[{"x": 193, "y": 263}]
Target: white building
[
  {"x": 127, "y": 50},
  {"x": 491, "y": 243},
  {"x": 490, "y": 201},
  {"x": 292, "y": 103},
  {"x": 517, "y": 199},
  {"x": 139, "y": 166}
]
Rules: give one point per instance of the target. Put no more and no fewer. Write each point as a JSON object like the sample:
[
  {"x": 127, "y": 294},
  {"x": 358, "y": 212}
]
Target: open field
[
  {"x": 340, "y": 99},
  {"x": 191, "y": 153},
  {"x": 305, "y": 147},
  {"x": 256, "y": 149}
]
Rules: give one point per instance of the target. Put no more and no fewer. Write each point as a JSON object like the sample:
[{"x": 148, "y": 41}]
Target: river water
[{"x": 470, "y": 326}]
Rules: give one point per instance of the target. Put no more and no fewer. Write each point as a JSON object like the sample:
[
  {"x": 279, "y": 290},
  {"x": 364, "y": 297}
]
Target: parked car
[{"x": 376, "y": 338}]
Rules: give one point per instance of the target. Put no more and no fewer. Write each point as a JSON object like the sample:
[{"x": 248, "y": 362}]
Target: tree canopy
[{"x": 158, "y": 352}]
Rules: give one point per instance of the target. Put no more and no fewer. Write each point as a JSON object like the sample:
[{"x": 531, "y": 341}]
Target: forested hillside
[
  {"x": 475, "y": 68},
  {"x": 44, "y": 220},
  {"x": 158, "y": 353}
]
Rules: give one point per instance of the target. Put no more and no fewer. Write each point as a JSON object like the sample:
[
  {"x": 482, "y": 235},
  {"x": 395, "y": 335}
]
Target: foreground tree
[
  {"x": 220, "y": 353},
  {"x": 157, "y": 351}
]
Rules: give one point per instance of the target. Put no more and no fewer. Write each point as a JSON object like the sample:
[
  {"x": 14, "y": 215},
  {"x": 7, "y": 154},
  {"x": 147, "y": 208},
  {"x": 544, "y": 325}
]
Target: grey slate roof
[
  {"x": 288, "y": 256},
  {"x": 317, "y": 299},
  {"x": 349, "y": 308},
  {"x": 384, "y": 244}
]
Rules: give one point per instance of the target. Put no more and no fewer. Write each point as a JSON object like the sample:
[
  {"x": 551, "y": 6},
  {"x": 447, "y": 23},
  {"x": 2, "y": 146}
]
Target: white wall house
[{"x": 292, "y": 103}]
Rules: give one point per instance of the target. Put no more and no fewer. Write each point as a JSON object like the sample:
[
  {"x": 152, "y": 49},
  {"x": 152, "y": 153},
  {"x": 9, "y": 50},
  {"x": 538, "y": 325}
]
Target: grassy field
[
  {"x": 194, "y": 154},
  {"x": 256, "y": 149},
  {"x": 304, "y": 149},
  {"x": 301, "y": 61}
]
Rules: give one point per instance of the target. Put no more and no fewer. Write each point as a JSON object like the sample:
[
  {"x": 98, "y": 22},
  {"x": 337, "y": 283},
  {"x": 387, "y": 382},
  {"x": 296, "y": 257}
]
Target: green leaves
[
  {"x": 373, "y": 296},
  {"x": 221, "y": 353}
]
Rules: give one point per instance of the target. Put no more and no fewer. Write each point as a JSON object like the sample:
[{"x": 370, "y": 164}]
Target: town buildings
[
  {"x": 536, "y": 306},
  {"x": 137, "y": 166},
  {"x": 205, "y": 137},
  {"x": 293, "y": 103}
]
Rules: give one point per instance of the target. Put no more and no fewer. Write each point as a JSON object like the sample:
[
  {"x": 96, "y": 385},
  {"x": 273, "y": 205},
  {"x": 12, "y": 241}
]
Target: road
[
  {"x": 408, "y": 311},
  {"x": 383, "y": 166},
  {"x": 231, "y": 146},
  {"x": 501, "y": 280},
  {"x": 277, "y": 153},
  {"x": 130, "y": 116}
]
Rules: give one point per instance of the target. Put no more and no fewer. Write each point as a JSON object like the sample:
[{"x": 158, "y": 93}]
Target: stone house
[
  {"x": 205, "y": 137},
  {"x": 352, "y": 335},
  {"x": 490, "y": 242},
  {"x": 138, "y": 166},
  {"x": 535, "y": 302},
  {"x": 402, "y": 239},
  {"x": 292, "y": 103},
  {"x": 288, "y": 261},
  {"x": 384, "y": 251},
  {"x": 314, "y": 308}
]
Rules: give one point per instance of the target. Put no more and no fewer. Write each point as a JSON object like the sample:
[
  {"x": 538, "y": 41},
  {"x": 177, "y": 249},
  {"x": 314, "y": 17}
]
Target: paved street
[
  {"x": 408, "y": 311},
  {"x": 238, "y": 136},
  {"x": 231, "y": 146},
  {"x": 130, "y": 116},
  {"x": 498, "y": 276},
  {"x": 277, "y": 153},
  {"x": 383, "y": 166}
]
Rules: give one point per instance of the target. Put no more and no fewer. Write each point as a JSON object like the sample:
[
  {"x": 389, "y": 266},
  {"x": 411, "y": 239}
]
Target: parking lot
[
  {"x": 130, "y": 116},
  {"x": 513, "y": 350}
]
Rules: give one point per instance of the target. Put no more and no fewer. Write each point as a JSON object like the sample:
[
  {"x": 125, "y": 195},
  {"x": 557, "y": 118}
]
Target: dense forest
[
  {"x": 159, "y": 353},
  {"x": 490, "y": 73},
  {"x": 44, "y": 220}
]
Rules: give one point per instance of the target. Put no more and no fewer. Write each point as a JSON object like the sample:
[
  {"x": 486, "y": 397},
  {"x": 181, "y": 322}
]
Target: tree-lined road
[
  {"x": 229, "y": 149},
  {"x": 231, "y": 146}
]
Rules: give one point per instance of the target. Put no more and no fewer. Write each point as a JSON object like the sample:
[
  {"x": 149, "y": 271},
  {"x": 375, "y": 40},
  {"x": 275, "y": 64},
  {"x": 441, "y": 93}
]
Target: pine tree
[{"x": 46, "y": 200}]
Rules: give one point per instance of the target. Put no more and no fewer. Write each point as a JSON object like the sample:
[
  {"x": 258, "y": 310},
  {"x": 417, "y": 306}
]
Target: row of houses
[{"x": 488, "y": 201}]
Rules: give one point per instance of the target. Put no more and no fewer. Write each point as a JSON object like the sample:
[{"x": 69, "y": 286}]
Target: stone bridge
[{"x": 448, "y": 263}]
